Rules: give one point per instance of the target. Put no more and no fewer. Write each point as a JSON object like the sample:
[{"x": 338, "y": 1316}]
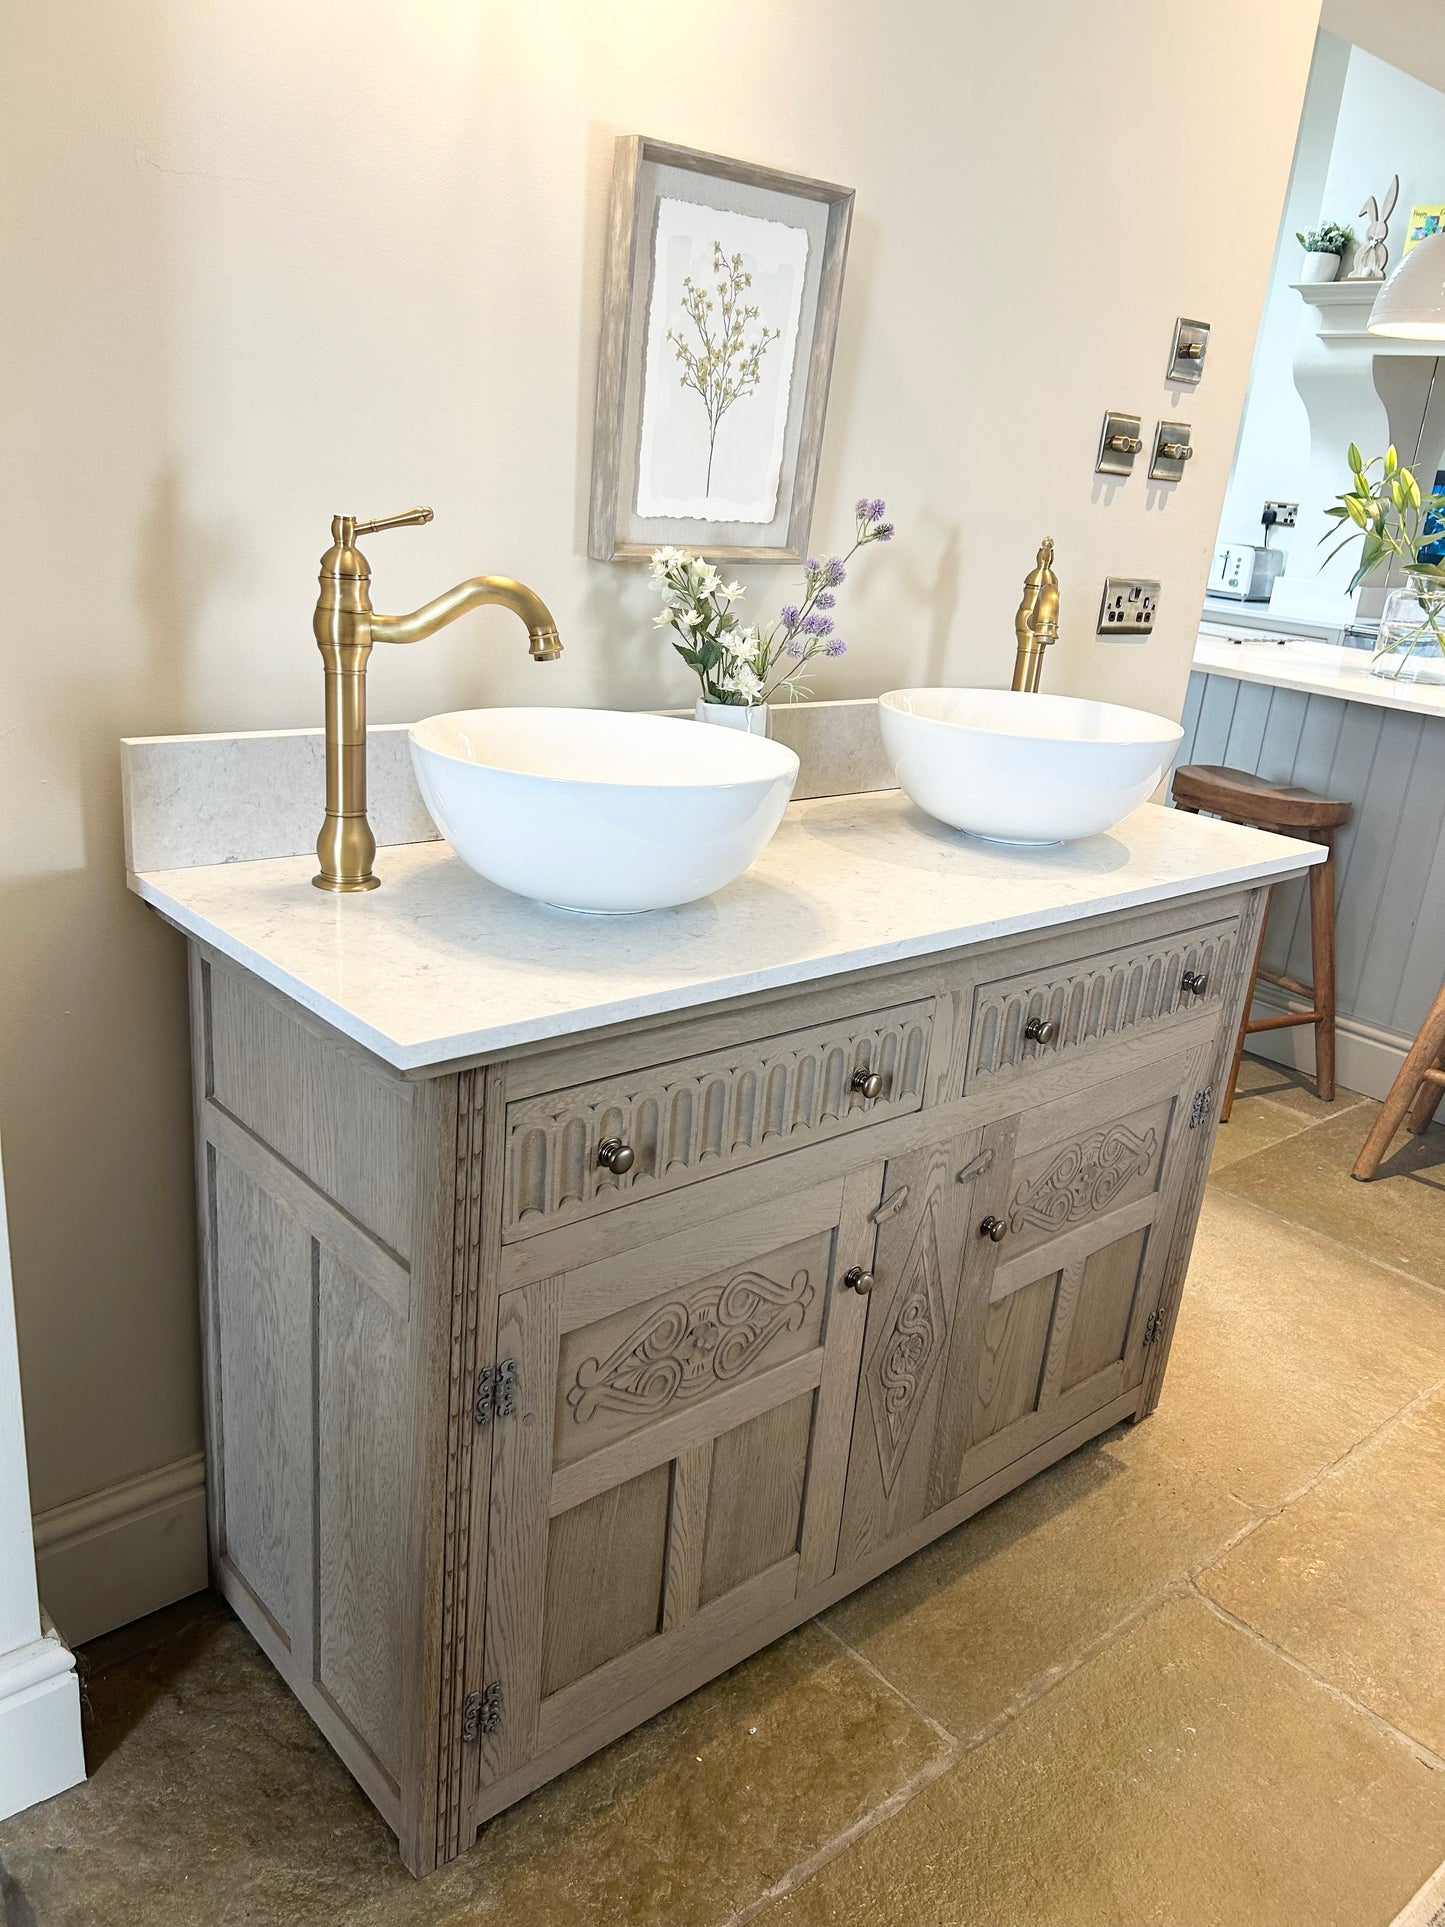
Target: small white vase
[
  {"x": 751, "y": 718},
  {"x": 1319, "y": 267}
]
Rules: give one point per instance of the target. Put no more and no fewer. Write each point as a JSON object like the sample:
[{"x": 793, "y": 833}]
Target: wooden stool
[
  {"x": 1239, "y": 797},
  {"x": 1415, "y": 1094}
]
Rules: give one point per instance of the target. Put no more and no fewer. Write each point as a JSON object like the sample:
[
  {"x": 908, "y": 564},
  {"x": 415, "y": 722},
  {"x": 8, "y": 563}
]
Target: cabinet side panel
[
  {"x": 360, "y": 1414},
  {"x": 342, "y": 1122},
  {"x": 264, "y": 1266}
]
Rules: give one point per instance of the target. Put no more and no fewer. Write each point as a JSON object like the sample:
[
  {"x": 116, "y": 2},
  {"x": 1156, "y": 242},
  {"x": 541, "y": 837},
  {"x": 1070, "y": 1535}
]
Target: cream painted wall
[{"x": 265, "y": 262}]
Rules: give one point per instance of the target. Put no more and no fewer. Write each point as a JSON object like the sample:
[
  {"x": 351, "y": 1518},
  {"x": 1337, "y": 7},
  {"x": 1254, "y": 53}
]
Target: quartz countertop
[
  {"x": 1314, "y": 668},
  {"x": 438, "y": 964}
]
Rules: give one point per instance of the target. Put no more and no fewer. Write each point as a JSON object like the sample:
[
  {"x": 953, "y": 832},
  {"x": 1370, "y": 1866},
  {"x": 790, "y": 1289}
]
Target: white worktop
[
  {"x": 1315, "y": 668},
  {"x": 438, "y": 964}
]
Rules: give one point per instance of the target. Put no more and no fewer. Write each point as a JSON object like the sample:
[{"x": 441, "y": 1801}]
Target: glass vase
[{"x": 1411, "y": 643}]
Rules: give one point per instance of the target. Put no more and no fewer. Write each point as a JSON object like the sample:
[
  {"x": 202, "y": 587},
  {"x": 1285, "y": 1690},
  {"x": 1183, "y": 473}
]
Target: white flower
[
  {"x": 744, "y": 644},
  {"x": 743, "y": 682},
  {"x": 704, "y": 576},
  {"x": 734, "y": 590},
  {"x": 664, "y": 620}
]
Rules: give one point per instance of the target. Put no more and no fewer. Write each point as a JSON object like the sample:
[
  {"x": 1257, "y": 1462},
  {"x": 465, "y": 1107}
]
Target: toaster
[{"x": 1245, "y": 572}]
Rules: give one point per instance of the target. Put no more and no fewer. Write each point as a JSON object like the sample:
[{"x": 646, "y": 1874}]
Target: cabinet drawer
[
  {"x": 696, "y": 1117},
  {"x": 1087, "y": 1001}
]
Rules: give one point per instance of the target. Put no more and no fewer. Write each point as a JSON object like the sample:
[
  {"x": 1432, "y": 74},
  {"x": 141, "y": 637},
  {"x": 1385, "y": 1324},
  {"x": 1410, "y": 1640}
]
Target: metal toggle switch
[
  {"x": 1172, "y": 449},
  {"x": 1186, "y": 357},
  {"x": 1119, "y": 443}
]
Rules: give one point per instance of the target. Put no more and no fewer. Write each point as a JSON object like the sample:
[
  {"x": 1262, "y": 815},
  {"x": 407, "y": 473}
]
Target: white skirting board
[
  {"x": 1366, "y": 1059},
  {"x": 40, "y": 1750},
  {"x": 128, "y": 1550}
]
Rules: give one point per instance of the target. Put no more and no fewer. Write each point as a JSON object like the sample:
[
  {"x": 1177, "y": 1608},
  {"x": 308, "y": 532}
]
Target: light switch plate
[
  {"x": 1127, "y": 608},
  {"x": 1119, "y": 443},
  {"x": 1164, "y": 465},
  {"x": 1186, "y": 357}
]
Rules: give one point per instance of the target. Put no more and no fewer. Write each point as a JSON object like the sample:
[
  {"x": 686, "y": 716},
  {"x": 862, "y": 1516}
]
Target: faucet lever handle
[{"x": 409, "y": 518}]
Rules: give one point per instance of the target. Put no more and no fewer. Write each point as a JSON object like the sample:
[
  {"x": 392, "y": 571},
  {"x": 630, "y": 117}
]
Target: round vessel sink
[
  {"x": 1020, "y": 768},
  {"x": 600, "y": 809}
]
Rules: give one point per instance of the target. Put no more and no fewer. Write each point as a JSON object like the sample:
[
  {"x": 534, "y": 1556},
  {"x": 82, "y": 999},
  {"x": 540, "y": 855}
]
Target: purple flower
[
  {"x": 812, "y": 566},
  {"x": 791, "y": 615},
  {"x": 825, "y": 601},
  {"x": 835, "y": 646},
  {"x": 796, "y": 646},
  {"x": 883, "y": 532},
  {"x": 833, "y": 572},
  {"x": 875, "y": 510},
  {"x": 816, "y": 626}
]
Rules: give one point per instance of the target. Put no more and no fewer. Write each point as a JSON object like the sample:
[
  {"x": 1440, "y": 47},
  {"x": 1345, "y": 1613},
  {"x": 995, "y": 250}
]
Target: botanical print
[{"x": 722, "y": 336}]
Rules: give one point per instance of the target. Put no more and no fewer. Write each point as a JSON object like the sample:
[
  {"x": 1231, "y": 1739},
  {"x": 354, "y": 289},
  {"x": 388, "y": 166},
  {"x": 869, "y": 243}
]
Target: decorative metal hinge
[
  {"x": 482, "y": 1712},
  {"x": 890, "y": 1206},
  {"x": 496, "y": 1391},
  {"x": 1151, "y": 1327},
  {"x": 975, "y": 1168},
  {"x": 1199, "y": 1109}
]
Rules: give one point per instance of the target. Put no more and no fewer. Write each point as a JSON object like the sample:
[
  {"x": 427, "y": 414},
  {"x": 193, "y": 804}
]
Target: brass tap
[
  {"x": 1037, "y": 623},
  {"x": 345, "y": 627}
]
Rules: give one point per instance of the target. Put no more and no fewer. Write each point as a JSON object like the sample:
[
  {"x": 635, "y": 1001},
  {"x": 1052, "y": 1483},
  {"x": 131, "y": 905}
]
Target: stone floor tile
[
  {"x": 1187, "y": 1776},
  {"x": 1254, "y": 1123},
  {"x": 1396, "y": 1219},
  {"x": 969, "y": 1625},
  {"x": 1289, "y": 1350},
  {"x": 1295, "y": 1090},
  {"x": 217, "y": 1801},
  {"x": 1350, "y": 1578}
]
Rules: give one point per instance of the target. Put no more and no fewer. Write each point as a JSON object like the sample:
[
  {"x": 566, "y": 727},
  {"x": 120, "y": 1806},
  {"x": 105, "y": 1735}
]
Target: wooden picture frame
[{"x": 652, "y": 435}]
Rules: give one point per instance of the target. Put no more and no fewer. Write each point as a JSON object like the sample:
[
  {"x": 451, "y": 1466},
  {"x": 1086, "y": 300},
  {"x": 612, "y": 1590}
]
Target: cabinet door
[
  {"x": 671, "y": 1472},
  {"x": 1055, "y": 1317},
  {"x": 926, "y": 1220}
]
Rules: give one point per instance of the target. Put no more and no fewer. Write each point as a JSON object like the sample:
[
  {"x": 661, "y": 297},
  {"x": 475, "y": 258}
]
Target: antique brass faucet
[
  {"x": 1037, "y": 623},
  {"x": 345, "y": 628}
]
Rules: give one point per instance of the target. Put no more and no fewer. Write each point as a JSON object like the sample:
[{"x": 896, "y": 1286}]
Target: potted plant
[
  {"x": 1323, "y": 248},
  {"x": 1395, "y": 522},
  {"x": 740, "y": 668}
]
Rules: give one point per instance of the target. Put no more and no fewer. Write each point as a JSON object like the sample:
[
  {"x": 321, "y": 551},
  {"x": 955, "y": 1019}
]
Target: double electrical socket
[{"x": 1128, "y": 606}]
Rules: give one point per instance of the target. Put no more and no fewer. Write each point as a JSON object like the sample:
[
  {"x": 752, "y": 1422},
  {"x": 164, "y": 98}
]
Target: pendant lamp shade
[{"x": 1411, "y": 305}]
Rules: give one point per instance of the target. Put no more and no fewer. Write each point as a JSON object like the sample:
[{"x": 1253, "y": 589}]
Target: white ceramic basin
[
  {"x": 599, "y": 809},
  {"x": 1024, "y": 769}
]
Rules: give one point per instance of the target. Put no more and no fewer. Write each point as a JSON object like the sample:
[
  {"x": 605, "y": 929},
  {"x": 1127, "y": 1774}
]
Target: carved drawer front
[
  {"x": 671, "y": 1463},
  {"x": 1088, "y": 1001},
  {"x": 687, "y": 1120}
]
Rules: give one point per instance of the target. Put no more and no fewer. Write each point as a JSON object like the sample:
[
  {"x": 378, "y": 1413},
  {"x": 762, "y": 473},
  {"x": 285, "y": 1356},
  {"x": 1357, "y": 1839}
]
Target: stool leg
[
  {"x": 1228, "y": 1105},
  {"x": 1406, "y": 1088},
  {"x": 1427, "y": 1101},
  {"x": 1322, "y": 948}
]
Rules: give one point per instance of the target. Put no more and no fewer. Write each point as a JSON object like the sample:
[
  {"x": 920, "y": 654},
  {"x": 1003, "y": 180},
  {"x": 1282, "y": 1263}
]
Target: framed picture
[{"x": 719, "y": 315}]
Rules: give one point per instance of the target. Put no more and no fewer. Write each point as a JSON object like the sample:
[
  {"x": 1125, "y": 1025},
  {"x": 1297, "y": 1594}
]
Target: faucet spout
[
  {"x": 345, "y": 626},
  {"x": 525, "y": 603}
]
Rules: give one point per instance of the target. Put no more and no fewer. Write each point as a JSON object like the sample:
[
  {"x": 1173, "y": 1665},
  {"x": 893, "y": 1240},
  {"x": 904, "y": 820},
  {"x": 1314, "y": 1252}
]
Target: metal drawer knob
[
  {"x": 867, "y": 1084},
  {"x": 994, "y": 1229},
  {"x": 1040, "y": 1030},
  {"x": 615, "y": 1156},
  {"x": 859, "y": 1280},
  {"x": 1195, "y": 982}
]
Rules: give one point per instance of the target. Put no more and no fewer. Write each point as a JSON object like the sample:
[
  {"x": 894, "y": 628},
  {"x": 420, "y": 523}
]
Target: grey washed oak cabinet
[{"x": 508, "y": 1450}]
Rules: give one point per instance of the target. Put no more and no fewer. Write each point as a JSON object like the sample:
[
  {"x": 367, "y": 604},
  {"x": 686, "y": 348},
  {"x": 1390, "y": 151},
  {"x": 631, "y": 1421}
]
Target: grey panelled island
[{"x": 589, "y": 1301}]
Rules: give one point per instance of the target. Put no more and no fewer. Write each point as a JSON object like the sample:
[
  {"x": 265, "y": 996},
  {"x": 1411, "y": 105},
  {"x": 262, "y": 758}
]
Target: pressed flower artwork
[
  {"x": 722, "y": 335},
  {"x": 720, "y": 306}
]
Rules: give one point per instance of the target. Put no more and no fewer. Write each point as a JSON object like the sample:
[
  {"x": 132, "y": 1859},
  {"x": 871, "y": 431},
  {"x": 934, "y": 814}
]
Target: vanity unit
[{"x": 588, "y": 1301}]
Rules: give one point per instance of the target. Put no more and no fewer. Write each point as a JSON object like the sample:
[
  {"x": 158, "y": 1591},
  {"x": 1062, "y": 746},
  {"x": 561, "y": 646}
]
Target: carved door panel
[
  {"x": 670, "y": 1472},
  {"x": 925, "y": 1220},
  {"x": 1055, "y": 1308}
]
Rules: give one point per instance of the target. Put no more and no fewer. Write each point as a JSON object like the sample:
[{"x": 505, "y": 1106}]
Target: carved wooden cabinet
[{"x": 542, "y": 1390}]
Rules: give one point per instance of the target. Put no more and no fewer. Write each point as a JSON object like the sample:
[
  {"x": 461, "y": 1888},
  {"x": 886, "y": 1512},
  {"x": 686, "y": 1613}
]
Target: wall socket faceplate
[
  {"x": 1283, "y": 517},
  {"x": 1128, "y": 606}
]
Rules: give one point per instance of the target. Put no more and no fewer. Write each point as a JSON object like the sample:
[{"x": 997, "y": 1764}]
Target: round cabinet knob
[
  {"x": 859, "y": 1280},
  {"x": 615, "y": 1156},
  {"x": 1195, "y": 982},
  {"x": 993, "y": 1229},
  {"x": 1040, "y": 1030},
  {"x": 867, "y": 1084}
]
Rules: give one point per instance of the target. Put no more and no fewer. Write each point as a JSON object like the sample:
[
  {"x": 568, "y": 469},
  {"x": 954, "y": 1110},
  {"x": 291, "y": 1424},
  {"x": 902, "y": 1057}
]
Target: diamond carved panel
[{"x": 909, "y": 1349}]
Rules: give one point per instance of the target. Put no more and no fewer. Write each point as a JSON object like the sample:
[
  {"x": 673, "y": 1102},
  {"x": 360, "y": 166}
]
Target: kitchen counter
[
  {"x": 439, "y": 965},
  {"x": 1316, "y": 668}
]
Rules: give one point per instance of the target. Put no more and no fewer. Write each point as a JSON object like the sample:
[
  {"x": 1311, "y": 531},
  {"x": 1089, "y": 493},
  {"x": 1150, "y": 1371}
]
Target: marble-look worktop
[
  {"x": 1314, "y": 668},
  {"x": 438, "y": 964}
]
